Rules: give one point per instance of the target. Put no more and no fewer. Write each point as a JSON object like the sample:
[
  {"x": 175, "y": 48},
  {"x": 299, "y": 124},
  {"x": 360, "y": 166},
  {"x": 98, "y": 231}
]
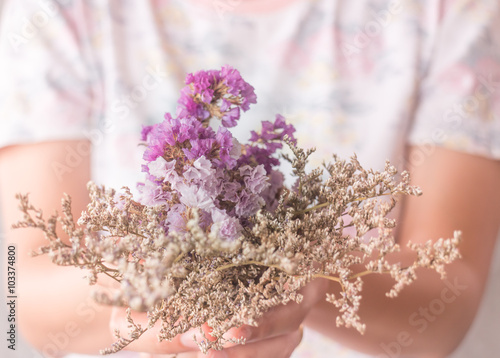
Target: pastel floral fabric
[{"x": 364, "y": 76}]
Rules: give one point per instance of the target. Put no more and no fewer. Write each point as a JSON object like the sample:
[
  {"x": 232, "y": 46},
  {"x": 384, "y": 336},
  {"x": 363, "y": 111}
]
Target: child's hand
[{"x": 278, "y": 334}]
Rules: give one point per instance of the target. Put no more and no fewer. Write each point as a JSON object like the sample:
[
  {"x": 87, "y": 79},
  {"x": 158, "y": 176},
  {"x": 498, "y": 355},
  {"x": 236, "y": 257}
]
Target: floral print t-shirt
[{"x": 353, "y": 76}]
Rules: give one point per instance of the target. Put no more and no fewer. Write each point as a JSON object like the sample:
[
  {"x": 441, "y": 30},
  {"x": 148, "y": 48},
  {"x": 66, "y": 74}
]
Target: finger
[
  {"x": 177, "y": 355},
  {"x": 282, "y": 319},
  {"x": 148, "y": 342},
  {"x": 191, "y": 355},
  {"x": 276, "y": 347}
]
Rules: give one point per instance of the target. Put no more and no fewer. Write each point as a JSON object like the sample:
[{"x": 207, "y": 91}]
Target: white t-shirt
[{"x": 363, "y": 76}]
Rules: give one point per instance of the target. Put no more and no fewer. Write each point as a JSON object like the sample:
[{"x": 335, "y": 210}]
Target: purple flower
[
  {"x": 259, "y": 155},
  {"x": 226, "y": 227},
  {"x": 230, "y": 117},
  {"x": 267, "y": 142},
  {"x": 229, "y": 229},
  {"x": 175, "y": 219},
  {"x": 238, "y": 87},
  {"x": 154, "y": 141},
  {"x": 195, "y": 196},
  {"x": 145, "y": 131},
  {"x": 201, "y": 170},
  {"x": 181, "y": 129},
  {"x": 152, "y": 152},
  {"x": 224, "y": 89},
  {"x": 230, "y": 191},
  {"x": 162, "y": 169},
  {"x": 188, "y": 107},
  {"x": 235, "y": 151},
  {"x": 158, "y": 167},
  {"x": 248, "y": 204},
  {"x": 274, "y": 132},
  {"x": 224, "y": 105},
  {"x": 225, "y": 141},
  {"x": 199, "y": 148},
  {"x": 208, "y": 170},
  {"x": 152, "y": 194},
  {"x": 270, "y": 194},
  {"x": 255, "y": 179},
  {"x": 157, "y": 137},
  {"x": 207, "y": 95}
]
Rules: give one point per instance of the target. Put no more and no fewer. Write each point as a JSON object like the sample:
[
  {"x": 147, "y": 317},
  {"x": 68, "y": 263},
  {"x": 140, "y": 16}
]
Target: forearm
[
  {"x": 428, "y": 319},
  {"x": 56, "y": 312}
]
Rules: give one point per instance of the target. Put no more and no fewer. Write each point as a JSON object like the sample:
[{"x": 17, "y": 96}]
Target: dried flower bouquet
[{"x": 216, "y": 238}]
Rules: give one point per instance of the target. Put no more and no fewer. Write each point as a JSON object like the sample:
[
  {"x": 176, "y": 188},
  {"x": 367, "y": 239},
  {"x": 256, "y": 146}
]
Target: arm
[
  {"x": 56, "y": 313},
  {"x": 431, "y": 317}
]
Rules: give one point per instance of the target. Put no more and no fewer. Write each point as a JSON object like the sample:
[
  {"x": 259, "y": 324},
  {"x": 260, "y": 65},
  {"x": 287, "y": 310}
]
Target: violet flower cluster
[{"x": 189, "y": 165}]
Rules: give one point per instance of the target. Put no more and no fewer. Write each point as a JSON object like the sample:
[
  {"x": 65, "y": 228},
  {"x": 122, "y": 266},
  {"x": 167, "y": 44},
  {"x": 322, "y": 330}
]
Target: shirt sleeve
[
  {"x": 46, "y": 92},
  {"x": 459, "y": 99}
]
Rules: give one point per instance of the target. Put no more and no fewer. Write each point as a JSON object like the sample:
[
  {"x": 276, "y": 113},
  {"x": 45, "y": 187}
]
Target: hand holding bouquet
[{"x": 215, "y": 238}]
